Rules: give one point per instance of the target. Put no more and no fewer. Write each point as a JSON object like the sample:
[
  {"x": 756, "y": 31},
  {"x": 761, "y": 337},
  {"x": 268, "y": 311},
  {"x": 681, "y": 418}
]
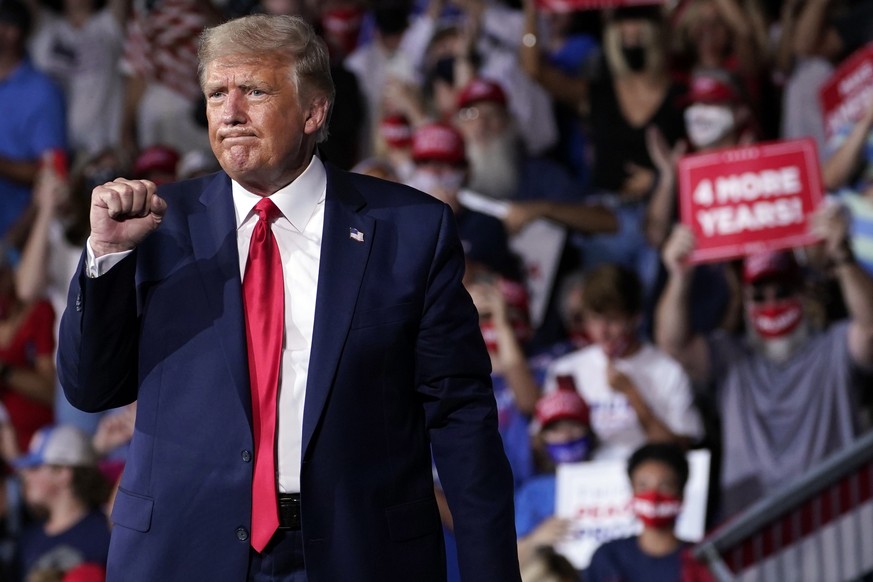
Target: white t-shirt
[
  {"x": 660, "y": 380},
  {"x": 85, "y": 63}
]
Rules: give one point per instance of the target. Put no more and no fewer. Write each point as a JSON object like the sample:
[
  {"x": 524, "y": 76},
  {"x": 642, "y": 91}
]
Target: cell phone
[
  {"x": 566, "y": 382},
  {"x": 60, "y": 162}
]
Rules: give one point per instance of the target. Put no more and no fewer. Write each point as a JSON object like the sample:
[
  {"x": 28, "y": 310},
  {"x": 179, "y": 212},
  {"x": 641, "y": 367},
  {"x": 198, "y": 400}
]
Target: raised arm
[
  {"x": 813, "y": 35},
  {"x": 838, "y": 169},
  {"x": 99, "y": 336},
  {"x": 673, "y": 331},
  {"x": 661, "y": 209},
  {"x": 832, "y": 225},
  {"x": 572, "y": 91},
  {"x": 49, "y": 193}
]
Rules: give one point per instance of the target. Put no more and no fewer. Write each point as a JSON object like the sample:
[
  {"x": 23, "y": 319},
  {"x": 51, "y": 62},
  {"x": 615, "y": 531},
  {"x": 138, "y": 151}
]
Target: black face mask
[
  {"x": 100, "y": 177},
  {"x": 635, "y": 57}
]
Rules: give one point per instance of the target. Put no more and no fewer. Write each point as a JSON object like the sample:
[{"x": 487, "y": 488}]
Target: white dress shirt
[{"x": 298, "y": 233}]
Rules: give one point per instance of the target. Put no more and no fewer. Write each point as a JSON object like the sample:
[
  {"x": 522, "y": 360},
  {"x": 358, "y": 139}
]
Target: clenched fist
[{"x": 123, "y": 213}]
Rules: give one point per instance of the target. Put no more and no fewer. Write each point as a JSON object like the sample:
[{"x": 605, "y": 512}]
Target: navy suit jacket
[{"x": 398, "y": 373}]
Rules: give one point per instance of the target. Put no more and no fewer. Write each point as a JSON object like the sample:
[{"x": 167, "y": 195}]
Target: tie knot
[{"x": 267, "y": 210}]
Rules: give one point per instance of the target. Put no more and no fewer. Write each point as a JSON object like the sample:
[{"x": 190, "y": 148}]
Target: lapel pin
[{"x": 356, "y": 235}]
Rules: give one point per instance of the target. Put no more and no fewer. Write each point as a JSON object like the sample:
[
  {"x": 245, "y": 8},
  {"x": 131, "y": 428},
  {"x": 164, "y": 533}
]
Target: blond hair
[{"x": 287, "y": 38}]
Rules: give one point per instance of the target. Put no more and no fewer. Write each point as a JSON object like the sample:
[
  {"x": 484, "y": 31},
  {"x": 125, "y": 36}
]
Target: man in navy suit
[{"x": 382, "y": 365}]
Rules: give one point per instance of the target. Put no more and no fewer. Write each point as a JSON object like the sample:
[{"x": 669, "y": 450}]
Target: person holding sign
[
  {"x": 658, "y": 473},
  {"x": 563, "y": 436},
  {"x": 848, "y": 172},
  {"x": 787, "y": 394}
]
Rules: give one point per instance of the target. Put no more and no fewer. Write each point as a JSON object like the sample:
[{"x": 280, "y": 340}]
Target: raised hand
[{"x": 123, "y": 213}]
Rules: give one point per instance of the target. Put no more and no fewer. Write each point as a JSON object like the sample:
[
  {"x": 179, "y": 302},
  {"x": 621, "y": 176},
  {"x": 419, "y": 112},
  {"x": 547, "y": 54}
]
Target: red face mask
[
  {"x": 776, "y": 319},
  {"x": 655, "y": 509},
  {"x": 620, "y": 346},
  {"x": 489, "y": 334}
]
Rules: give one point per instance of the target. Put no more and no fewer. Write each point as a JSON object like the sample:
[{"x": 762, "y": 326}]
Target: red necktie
[{"x": 264, "y": 303}]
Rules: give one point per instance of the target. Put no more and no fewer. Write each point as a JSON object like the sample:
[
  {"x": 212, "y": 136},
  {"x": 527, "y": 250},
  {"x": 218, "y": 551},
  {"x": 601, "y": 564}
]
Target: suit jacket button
[
  {"x": 79, "y": 301},
  {"x": 246, "y": 456},
  {"x": 242, "y": 534}
]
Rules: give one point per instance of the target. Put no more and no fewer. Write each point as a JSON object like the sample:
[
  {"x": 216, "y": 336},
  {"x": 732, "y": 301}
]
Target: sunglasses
[{"x": 777, "y": 291}]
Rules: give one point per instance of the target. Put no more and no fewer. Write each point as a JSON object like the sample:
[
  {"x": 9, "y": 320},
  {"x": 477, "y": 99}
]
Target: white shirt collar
[{"x": 296, "y": 201}]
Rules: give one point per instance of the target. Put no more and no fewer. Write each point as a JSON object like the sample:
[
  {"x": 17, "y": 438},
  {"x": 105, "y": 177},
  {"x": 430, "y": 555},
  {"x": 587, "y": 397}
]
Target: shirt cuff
[{"x": 97, "y": 266}]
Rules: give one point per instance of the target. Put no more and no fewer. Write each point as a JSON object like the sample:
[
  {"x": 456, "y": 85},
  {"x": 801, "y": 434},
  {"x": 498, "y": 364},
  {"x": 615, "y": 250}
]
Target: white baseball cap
[{"x": 64, "y": 445}]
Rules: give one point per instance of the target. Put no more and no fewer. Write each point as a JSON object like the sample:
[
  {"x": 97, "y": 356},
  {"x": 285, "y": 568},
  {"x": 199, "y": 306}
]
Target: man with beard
[
  {"x": 441, "y": 170},
  {"x": 787, "y": 395},
  {"x": 499, "y": 166}
]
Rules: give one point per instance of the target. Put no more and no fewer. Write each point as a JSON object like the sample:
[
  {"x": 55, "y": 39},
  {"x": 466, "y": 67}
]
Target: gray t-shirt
[{"x": 779, "y": 420}]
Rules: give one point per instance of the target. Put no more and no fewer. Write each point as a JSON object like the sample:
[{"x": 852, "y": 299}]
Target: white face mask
[
  {"x": 706, "y": 124},
  {"x": 432, "y": 183}
]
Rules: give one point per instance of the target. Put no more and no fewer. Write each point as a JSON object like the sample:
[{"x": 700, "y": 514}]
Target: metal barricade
[{"x": 816, "y": 529}]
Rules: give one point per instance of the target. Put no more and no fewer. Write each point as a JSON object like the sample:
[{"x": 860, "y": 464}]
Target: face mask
[
  {"x": 569, "y": 452},
  {"x": 431, "y": 183},
  {"x": 619, "y": 347},
  {"x": 706, "y": 124},
  {"x": 656, "y": 510},
  {"x": 777, "y": 319},
  {"x": 100, "y": 177},
  {"x": 489, "y": 334},
  {"x": 635, "y": 57}
]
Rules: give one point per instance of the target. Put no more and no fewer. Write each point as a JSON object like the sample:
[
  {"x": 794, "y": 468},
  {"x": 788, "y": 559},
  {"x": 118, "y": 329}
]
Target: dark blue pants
[{"x": 281, "y": 560}]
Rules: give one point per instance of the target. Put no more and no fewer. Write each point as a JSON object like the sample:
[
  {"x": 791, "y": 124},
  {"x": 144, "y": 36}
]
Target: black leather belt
[{"x": 289, "y": 511}]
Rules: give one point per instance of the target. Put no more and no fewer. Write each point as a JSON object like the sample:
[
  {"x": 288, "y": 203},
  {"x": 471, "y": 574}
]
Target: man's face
[
  {"x": 773, "y": 308},
  {"x": 261, "y": 131},
  {"x": 483, "y": 122}
]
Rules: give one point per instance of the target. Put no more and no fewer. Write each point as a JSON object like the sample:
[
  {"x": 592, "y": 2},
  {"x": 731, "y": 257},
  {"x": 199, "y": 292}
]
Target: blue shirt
[
  {"x": 623, "y": 561},
  {"x": 33, "y": 121},
  {"x": 88, "y": 540},
  {"x": 534, "y": 503}
]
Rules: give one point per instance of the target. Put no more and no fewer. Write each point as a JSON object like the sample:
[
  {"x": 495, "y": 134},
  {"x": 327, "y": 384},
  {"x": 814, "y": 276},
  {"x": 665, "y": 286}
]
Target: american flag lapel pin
[{"x": 356, "y": 235}]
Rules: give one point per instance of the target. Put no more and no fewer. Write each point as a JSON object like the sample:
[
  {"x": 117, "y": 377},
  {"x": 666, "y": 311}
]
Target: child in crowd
[
  {"x": 636, "y": 392},
  {"x": 658, "y": 473},
  {"x": 563, "y": 436},
  {"x": 65, "y": 489}
]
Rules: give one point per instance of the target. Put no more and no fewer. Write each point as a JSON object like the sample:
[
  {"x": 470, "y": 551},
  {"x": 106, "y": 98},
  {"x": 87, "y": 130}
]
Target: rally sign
[
  {"x": 849, "y": 91},
  {"x": 750, "y": 199},
  {"x": 571, "y": 5},
  {"x": 596, "y": 497}
]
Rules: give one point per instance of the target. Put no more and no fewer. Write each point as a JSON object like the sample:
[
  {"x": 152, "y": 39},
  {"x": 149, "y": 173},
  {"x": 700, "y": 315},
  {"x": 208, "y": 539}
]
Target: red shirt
[{"x": 33, "y": 338}]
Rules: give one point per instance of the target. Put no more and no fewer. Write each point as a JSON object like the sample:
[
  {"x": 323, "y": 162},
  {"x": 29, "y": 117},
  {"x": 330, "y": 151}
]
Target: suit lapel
[
  {"x": 343, "y": 262},
  {"x": 213, "y": 238}
]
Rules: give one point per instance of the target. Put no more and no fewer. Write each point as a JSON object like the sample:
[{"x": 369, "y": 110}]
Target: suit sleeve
[
  {"x": 99, "y": 338},
  {"x": 454, "y": 378}
]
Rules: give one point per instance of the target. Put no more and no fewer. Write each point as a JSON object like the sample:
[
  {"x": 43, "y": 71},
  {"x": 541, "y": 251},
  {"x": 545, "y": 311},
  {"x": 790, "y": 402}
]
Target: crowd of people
[{"x": 513, "y": 113}]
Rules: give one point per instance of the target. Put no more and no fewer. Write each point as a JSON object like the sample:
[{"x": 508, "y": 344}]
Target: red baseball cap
[
  {"x": 86, "y": 572},
  {"x": 480, "y": 89},
  {"x": 562, "y": 405},
  {"x": 776, "y": 264},
  {"x": 157, "y": 158},
  {"x": 438, "y": 142},
  {"x": 714, "y": 86}
]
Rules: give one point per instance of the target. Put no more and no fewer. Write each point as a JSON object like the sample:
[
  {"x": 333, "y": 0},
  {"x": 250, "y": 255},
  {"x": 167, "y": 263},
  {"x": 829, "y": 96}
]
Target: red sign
[
  {"x": 571, "y": 5},
  {"x": 744, "y": 200},
  {"x": 849, "y": 91}
]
